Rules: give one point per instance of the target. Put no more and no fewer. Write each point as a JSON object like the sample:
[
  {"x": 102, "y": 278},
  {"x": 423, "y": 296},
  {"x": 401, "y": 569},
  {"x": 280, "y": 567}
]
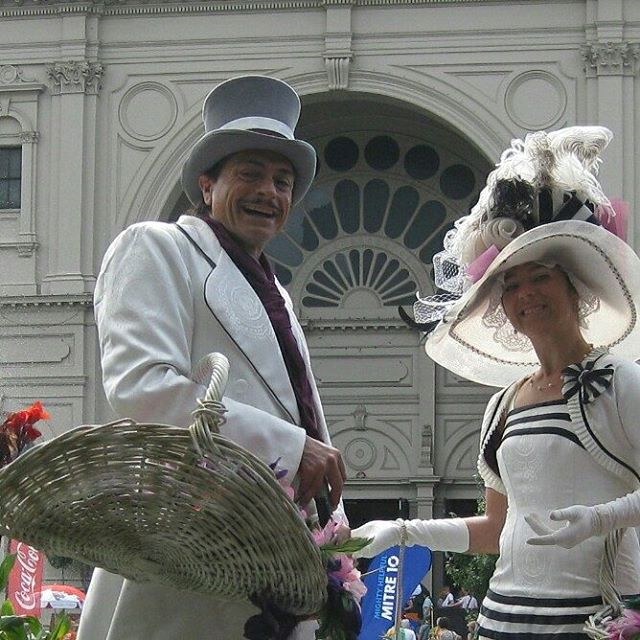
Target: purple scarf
[{"x": 260, "y": 276}]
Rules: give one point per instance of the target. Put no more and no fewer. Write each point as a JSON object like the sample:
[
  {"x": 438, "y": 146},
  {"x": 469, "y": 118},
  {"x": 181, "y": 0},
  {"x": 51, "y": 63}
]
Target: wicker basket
[
  {"x": 595, "y": 625},
  {"x": 183, "y": 507}
]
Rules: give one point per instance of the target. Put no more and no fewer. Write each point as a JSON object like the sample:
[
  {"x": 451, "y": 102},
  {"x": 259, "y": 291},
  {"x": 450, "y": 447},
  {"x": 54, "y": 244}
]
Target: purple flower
[{"x": 626, "y": 627}]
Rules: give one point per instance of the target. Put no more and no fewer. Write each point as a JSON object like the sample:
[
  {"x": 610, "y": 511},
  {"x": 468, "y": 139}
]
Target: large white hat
[
  {"x": 476, "y": 340},
  {"x": 541, "y": 204},
  {"x": 245, "y": 113}
]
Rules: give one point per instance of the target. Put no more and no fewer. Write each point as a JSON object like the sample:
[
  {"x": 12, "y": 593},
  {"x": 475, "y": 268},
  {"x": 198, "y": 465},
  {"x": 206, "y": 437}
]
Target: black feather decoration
[{"x": 514, "y": 198}]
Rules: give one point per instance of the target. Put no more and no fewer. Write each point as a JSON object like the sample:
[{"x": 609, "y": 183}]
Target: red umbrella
[
  {"x": 67, "y": 589},
  {"x": 61, "y": 596}
]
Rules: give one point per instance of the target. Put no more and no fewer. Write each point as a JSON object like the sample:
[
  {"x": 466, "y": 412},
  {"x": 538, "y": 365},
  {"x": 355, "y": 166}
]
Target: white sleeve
[
  {"x": 144, "y": 306},
  {"x": 626, "y": 386}
]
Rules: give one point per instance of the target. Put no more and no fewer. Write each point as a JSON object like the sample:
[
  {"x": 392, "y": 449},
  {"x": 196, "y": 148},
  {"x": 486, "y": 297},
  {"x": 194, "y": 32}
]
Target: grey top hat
[{"x": 245, "y": 113}]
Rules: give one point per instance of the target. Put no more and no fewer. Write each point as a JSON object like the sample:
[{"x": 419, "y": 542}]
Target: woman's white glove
[
  {"x": 583, "y": 522},
  {"x": 449, "y": 534}
]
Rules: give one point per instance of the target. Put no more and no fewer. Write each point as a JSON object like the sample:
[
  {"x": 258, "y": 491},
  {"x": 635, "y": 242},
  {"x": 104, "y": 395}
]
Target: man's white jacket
[{"x": 163, "y": 301}]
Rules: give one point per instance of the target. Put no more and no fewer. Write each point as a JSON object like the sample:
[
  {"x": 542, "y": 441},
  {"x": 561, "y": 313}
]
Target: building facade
[{"x": 408, "y": 103}]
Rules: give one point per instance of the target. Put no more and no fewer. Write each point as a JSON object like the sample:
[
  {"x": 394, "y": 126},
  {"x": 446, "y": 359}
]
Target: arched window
[{"x": 365, "y": 234}]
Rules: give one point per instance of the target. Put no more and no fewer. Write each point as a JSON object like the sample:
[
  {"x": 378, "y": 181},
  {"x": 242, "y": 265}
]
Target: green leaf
[
  {"x": 7, "y": 609},
  {"x": 12, "y": 628},
  {"x": 63, "y": 626},
  {"x": 5, "y": 569},
  {"x": 348, "y": 546},
  {"x": 35, "y": 626},
  {"x": 10, "y": 622}
]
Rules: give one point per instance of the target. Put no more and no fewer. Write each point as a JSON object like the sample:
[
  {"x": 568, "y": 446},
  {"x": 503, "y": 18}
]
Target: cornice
[
  {"x": 129, "y": 7},
  {"x": 368, "y": 324},
  {"x": 22, "y": 302}
]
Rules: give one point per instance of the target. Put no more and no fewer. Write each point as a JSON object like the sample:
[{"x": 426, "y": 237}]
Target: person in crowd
[
  {"x": 406, "y": 632},
  {"x": 427, "y": 607},
  {"x": 466, "y": 601},
  {"x": 443, "y": 630},
  {"x": 169, "y": 294},
  {"x": 540, "y": 297},
  {"x": 446, "y": 598},
  {"x": 472, "y": 629}
]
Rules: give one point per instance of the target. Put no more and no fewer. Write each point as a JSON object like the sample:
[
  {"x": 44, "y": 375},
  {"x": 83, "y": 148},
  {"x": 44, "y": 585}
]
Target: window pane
[
  {"x": 14, "y": 194},
  {"x": 10, "y": 177},
  {"x": 4, "y": 194},
  {"x": 15, "y": 160},
  {"x": 347, "y": 196}
]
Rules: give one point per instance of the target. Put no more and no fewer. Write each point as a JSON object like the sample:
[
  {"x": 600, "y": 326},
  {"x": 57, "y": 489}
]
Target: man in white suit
[{"x": 169, "y": 294}]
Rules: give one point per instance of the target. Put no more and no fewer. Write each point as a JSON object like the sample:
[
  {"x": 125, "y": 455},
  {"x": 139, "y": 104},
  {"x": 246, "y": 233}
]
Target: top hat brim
[
  {"x": 217, "y": 145},
  {"x": 465, "y": 344}
]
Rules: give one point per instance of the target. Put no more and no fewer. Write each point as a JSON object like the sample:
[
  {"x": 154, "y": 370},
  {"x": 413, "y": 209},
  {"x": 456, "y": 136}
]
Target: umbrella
[{"x": 61, "y": 596}]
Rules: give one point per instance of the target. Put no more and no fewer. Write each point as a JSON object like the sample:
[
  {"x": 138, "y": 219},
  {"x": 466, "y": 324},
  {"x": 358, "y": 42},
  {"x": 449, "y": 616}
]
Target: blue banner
[{"x": 381, "y": 580}]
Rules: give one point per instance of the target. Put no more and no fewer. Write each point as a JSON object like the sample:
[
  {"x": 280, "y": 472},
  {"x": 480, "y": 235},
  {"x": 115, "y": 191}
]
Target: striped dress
[{"x": 540, "y": 592}]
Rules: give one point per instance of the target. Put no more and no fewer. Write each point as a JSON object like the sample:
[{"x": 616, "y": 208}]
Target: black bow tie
[{"x": 588, "y": 382}]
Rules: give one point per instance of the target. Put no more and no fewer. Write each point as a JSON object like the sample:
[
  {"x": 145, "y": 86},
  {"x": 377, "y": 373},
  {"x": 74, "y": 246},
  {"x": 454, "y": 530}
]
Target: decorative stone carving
[
  {"x": 10, "y": 74},
  {"x": 360, "y": 454},
  {"x": 75, "y": 76},
  {"x": 28, "y": 137},
  {"x": 359, "y": 418},
  {"x": 535, "y": 100},
  {"x": 26, "y": 249},
  {"x": 148, "y": 111},
  {"x": 337, "y": 72},
  {"x": 426, "y": 455},
  {"x": 610, "y": 58}
]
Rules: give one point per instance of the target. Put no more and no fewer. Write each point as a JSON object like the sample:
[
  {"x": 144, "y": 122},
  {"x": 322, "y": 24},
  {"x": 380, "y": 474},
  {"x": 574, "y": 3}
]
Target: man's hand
[{"x": 320, "y": 462}]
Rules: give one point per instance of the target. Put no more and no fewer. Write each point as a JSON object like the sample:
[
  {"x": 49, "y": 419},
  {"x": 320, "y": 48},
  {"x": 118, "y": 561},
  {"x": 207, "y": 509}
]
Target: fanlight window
[{"x": 403, "y": 195}]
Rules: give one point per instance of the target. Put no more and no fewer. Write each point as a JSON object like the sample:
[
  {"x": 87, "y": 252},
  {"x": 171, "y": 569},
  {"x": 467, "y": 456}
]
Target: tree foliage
[{"x": 472, "y": 572}]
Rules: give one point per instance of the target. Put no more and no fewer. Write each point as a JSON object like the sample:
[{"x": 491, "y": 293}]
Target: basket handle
[
  {"x": 610, "y": 594},
  {"x": 209, "y": 415}
]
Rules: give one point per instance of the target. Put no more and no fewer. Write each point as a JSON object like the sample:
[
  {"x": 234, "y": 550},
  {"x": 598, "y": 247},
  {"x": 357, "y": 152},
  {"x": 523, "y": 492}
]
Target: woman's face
[{"x": 539, "y": 299}]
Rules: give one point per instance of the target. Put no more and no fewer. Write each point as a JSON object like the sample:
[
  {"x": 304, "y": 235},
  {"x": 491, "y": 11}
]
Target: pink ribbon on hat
[
  {"x": 477, "y": 268},
  {"x": 617, "y": 220}
]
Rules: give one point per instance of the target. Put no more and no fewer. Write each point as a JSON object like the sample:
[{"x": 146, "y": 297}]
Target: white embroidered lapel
[{"x": 239, "y": 310}]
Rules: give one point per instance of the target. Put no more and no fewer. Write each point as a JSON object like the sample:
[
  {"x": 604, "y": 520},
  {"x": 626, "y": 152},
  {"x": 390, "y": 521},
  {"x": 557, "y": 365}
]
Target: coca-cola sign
[{"x": 25, "y": 582}]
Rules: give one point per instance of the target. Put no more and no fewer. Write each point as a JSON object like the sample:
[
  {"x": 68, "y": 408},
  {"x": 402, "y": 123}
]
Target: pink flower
[
  {"x": 325, "y": 535},
  {"x": 356, "y": 589},
  {"x": 626, "y": 627}
]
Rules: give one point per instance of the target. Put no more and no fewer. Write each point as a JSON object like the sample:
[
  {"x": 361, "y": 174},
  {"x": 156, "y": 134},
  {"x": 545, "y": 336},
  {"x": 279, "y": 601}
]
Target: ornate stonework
[
  {"x": 11, "y": 74},
  {"x": 28, "y": 137},
  {"x": 611, "y": 58},
  {"x": 75, "y": 76},
  {"x": 337, "y": 72}
]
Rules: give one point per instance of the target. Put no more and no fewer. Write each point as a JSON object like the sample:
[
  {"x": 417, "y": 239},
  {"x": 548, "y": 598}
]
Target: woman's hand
[{"x": 581, "y": 523}]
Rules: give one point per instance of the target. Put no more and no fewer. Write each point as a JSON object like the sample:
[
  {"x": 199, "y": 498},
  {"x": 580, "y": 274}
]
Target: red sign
[{"x": 25, "y": 581}]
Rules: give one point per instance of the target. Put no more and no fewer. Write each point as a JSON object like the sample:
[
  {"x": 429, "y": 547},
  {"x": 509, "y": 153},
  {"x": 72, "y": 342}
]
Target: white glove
[
  {"x": 584, "y": 522},
  {"x": 439, "y": 535}
]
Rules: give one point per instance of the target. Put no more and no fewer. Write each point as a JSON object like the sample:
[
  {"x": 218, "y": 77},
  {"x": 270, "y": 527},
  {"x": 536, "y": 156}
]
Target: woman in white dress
[{"x": 543, "y": 303}]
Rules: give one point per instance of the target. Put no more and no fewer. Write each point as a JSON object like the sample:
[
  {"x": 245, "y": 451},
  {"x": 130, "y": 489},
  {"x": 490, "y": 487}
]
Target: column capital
[
  {"x": 75, "y": 76},
  {"x": 610, "y": 58}
]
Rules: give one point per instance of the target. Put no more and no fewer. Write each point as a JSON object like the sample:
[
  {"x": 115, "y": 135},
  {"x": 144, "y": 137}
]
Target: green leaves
[
  {"x": 350, "y": 546},
  {"x": 5, "y": 569}
]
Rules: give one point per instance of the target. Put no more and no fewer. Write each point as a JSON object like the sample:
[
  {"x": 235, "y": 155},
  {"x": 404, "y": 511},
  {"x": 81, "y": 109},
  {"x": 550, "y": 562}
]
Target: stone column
[
  {"x": 610, "y": 65},
  {"x": 74, "y": 88}
]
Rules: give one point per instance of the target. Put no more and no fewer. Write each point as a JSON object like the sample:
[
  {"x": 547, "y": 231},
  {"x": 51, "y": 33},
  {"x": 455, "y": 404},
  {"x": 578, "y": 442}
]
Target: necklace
[
  {"x": 549, "y": 385},
  {"x": 542, "y": 387}
]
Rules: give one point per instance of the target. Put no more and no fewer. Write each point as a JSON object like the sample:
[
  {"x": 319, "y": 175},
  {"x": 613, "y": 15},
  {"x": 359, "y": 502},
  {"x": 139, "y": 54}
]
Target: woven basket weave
[{"x": 186, "y": 508}]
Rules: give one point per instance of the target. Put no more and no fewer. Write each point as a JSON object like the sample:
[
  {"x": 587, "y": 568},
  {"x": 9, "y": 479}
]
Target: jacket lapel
[{"x": 234, "y": 303}]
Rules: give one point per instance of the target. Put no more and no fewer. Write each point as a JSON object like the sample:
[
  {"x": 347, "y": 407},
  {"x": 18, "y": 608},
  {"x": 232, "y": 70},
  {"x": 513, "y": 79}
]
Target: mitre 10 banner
[
  {"x": 381, "y": 580},
  {"x": 25, "y": 581}
]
